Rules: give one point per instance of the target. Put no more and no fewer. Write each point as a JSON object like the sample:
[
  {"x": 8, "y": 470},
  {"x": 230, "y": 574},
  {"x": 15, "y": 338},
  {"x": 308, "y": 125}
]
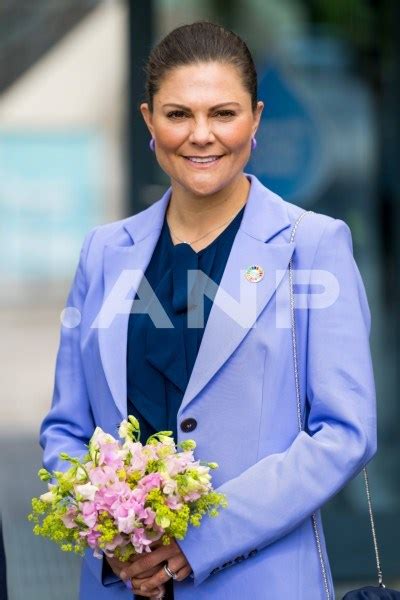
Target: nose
[{"x": 201, "y": 133}]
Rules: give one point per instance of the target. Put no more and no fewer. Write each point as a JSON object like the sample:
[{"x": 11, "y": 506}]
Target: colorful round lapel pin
[{"x": 254, "y": 273}]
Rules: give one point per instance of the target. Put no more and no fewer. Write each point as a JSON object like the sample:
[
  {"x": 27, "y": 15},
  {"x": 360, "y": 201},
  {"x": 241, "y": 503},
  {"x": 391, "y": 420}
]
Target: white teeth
[{"x": 201, "y": 160}]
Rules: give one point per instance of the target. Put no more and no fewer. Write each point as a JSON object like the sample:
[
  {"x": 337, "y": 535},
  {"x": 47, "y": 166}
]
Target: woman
[{"x": 235, "y": 395}]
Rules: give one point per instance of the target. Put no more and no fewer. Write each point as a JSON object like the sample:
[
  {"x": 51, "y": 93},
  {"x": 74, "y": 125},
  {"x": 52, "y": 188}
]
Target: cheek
[
  {"x": 170, "y": 138},
  {"x": 236, "y": 138}
]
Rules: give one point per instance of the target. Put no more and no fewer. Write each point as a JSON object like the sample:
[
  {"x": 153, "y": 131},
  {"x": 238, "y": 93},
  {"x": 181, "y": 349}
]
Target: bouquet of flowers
[{"x": 122, "y": 496}]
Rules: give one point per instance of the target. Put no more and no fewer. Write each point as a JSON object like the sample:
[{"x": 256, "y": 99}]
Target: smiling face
[{"x": 202, "y": 110}]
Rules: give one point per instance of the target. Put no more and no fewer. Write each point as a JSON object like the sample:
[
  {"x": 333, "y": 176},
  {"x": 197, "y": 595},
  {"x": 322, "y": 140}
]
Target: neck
[{"x": 193, "y": 215}]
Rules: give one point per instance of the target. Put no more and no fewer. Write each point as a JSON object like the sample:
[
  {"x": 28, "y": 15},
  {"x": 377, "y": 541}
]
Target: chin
[{"x": 204, "y": 186}]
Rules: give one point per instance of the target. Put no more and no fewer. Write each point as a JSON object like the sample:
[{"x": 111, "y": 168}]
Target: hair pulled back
[{"x": 199, "y": 42}]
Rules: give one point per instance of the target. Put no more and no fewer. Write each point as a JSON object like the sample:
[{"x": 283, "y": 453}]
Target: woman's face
[{"x": 202, "y": 110}]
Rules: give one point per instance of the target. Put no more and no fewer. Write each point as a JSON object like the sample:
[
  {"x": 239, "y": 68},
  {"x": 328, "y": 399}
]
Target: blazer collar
[{"x": 264, "y": 216}]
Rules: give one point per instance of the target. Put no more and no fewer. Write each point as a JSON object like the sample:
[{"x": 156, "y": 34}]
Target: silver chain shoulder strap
[{"x": 300, "y": 425}]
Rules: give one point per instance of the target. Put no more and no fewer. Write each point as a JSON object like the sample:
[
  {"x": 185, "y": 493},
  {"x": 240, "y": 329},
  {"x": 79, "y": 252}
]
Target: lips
[{"x": 203, "y": 163}]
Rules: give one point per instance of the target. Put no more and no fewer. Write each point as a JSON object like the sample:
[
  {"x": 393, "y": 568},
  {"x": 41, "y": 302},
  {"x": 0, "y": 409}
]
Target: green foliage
[{"x": 48, "y": 524}]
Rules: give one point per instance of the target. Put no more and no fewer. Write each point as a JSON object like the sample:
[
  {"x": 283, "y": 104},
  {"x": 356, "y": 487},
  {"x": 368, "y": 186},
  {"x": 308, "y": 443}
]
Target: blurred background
[{"x": 74, "y": 153}]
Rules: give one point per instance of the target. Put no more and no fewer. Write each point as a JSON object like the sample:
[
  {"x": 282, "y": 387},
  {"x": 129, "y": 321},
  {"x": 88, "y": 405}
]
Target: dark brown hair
[{"x": 201, "y": 41}]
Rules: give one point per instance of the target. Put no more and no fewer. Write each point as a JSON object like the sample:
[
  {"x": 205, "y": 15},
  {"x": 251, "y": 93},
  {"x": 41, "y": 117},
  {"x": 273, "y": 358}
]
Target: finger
[
  {"x": 183, "y": 573},
  {"x": 177, "y": 564},
  {"x": 159, "y": 593},
  {"x": 115, "y": 565},
  {"x": 143, "y": 577},
  {"x": 155, "y": 593},
  {"x": 156, "y": 580},
  {"x": 157, "y": 543},
  {"x": 146, "y": 574},
  {"x": 118, "y": 566},
  {"x": 151, "y": 559}
]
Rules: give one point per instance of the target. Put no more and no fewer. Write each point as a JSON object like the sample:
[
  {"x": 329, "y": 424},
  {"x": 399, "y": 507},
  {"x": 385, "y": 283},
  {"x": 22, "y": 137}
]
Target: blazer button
[{"x": 188, "y": 424}]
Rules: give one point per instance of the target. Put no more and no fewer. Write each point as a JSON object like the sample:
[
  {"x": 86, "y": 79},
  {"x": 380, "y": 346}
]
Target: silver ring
[{"x": 169, "y": 572}]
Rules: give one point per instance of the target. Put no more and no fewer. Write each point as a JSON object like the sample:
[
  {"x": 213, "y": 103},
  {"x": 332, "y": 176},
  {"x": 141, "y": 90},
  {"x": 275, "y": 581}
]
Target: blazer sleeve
[
  {"x": 273, "y": 496},
  {"x": 69, "y": 424}
]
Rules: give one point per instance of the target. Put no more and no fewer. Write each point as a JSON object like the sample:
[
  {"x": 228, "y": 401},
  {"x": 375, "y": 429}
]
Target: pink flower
[
  {"x": 139, "y": 494},
  {"x": 138, "y": 460},
  {"x": 118, "y": 541},
  {"x": 173, "y": 503},
  {"x": 121, "y": 510},
  {"x": 89, "y": 513},
  {"x": 127, "y": 524},
  {"x": 150, "y": 481},
  {"x": 69, "y": 517},
  {"x": 148, "y": 517},
  {"x": 91, "y": 537},
  {"x": 109, "y": 455},
  {"x": 116, "y": 493},
  {"x": 139, "y": 540},
  {"x": 177, "y": 463},
  {"x": 102, "y": 475},
  {"x": 191, "y": 497}
]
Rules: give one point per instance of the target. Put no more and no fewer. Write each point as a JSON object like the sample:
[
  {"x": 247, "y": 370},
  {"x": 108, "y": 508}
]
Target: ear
[
  {"x": 147, "y": 116},
  {"x": 257, "y": 116}
]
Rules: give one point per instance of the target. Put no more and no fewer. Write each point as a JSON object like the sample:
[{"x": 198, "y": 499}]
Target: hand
[
  {"x": 118, "y": 566},
  {"x": 136, "y": 571}
]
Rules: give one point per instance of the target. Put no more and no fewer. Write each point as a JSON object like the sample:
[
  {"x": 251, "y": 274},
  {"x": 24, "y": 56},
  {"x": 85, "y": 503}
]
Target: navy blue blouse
[{"x": 160, "y": 359}]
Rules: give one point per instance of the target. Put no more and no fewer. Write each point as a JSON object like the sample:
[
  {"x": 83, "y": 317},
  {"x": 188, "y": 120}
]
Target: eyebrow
[{"x": 211, "y": 108}]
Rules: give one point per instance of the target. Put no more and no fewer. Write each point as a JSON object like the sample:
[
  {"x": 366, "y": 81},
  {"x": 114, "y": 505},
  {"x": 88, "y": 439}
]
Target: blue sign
[
  {"x": 50, "y": 196},
  {"x": 290, "y": 157}
]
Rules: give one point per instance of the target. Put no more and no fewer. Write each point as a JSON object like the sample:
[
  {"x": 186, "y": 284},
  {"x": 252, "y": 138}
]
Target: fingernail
[
  {"x": 123, "y": 575},
  {"x": 144, "y": 588}
]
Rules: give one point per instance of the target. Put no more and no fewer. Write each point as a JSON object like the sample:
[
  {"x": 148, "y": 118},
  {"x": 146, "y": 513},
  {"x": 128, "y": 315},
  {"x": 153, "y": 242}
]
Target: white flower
[
  {"x": 127, "y": 524},
  {"x": 203, "y": 474},
  {"x": 125, "y": 429},
  {"x": 87, "y": 491},
  {"x": 170, "y": 486},
  {"x": 47, "y": 497},
  {"x": 100, "y": 437},
  {"x": 98, "y": 433},
  {"x": 166, "y": 439}
]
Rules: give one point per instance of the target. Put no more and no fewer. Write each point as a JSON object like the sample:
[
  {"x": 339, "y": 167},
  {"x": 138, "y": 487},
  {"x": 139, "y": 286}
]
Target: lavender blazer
[{"x": 241, "y": 393}]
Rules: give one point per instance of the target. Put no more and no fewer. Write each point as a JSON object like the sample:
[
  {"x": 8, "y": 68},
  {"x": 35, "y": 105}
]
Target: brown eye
[
  {"x": 175, "y": 114},
  {"x": 226, "y": 113}
]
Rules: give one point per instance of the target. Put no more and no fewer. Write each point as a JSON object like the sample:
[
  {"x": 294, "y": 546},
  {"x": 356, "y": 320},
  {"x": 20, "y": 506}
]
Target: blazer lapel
[
  {"x": 265, "y": 215},
  {"x": 144, "y": 228}
]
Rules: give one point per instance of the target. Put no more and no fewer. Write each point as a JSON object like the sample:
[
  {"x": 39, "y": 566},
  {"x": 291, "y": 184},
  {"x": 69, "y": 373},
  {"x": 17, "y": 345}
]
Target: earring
[
  {"x": 152, "y": 144},
  {"x": 253, "y": 143}
]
